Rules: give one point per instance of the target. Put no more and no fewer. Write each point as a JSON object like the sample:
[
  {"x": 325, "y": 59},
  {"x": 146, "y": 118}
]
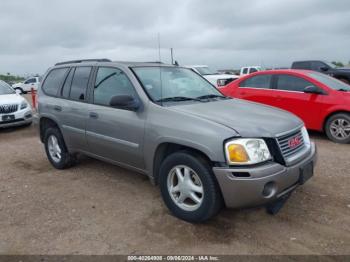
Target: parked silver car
[{"x": 203, "y": 149}]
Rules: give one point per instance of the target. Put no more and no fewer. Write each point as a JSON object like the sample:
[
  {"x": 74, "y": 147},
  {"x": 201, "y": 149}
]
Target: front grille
[
  {"x": 7, "y": 109},
  {"x": 291, "y": 143}
]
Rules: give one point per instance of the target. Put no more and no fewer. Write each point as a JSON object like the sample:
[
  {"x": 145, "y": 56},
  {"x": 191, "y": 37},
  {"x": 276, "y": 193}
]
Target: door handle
[
  {"x": 57, "y": 108},
  {"x": 93, "y": 115}
]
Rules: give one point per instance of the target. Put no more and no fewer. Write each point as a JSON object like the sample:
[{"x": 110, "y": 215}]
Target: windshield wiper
[
  {"x": 211, "y": 96},
  {"x": 178, "y": 99}
]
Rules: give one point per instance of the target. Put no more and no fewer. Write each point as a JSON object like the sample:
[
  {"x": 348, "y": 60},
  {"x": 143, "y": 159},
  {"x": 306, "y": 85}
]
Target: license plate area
[
  {"x": 7, "y": 118},
  {"x": 306, "y": 172}
]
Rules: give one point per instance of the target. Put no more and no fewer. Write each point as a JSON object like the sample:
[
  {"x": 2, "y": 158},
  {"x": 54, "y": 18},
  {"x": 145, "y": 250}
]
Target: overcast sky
[{"x": 34, "y": 34}]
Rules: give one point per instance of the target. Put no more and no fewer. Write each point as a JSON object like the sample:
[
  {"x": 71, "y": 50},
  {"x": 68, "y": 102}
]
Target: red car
[{"x": 321, "y": 101}]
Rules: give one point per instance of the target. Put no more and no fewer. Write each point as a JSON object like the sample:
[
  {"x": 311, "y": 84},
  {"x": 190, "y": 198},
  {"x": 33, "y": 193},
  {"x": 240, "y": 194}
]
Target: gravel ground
[{"x": 97, "y": 208}]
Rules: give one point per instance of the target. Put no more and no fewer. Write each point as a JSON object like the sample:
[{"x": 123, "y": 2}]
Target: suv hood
[
  {"x": 247, "y": 118},
  {"x": 11, "y": 99}
]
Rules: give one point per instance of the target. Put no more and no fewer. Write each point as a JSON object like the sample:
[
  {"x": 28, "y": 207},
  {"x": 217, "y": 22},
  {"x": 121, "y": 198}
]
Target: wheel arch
[
  {"x": 332, "y": 114},
  {"x": 166, "y": 148},
  {"x": 44, "y": 123}
]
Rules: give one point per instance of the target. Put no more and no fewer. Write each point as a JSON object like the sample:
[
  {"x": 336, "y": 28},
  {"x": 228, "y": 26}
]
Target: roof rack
[{"x": 83, "y": 60}]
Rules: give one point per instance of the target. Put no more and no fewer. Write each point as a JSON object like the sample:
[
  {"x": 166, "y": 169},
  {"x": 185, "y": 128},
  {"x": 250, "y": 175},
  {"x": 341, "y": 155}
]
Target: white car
[
  {"x": 14, "y": 109},
  {"x": 216, "y": 79},
  {"x": 26, "y": 86},
  {"x": 249, "y": 69}
]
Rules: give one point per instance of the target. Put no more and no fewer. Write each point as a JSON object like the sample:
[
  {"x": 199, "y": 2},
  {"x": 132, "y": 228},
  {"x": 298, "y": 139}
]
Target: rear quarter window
[{"x": 54, "y": 81}]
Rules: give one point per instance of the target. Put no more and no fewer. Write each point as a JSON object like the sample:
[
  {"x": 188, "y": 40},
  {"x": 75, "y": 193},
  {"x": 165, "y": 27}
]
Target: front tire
[
  {"x": 56, "y": 149},
  {"x": 189, "y": 188},
  {"x": 19, "y": 91},
  {"x": 338, "y": 128}
]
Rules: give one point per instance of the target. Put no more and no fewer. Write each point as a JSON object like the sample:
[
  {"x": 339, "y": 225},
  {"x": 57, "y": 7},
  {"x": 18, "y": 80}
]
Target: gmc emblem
[{"x": 294, "y": 142}]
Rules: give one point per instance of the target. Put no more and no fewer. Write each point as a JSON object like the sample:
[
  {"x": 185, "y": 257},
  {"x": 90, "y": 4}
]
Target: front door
[
  {"x": 291, "y": 97},
  {"x": 114, "y": 134}
]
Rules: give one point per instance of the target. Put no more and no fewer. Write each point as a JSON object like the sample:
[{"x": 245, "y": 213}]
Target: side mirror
[
  {"x": 314, "y": 90},
  {"x": 324, "y": 68},
  {"x": 126, "y": 102}
]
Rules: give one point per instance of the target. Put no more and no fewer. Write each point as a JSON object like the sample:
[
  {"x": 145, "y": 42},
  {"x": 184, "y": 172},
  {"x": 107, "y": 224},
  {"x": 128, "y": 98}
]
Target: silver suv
[{"x": 203, "y": 149}]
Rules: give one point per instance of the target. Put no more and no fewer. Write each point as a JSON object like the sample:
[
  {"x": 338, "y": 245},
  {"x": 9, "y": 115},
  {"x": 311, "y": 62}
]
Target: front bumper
[
  {"x": 249, "y": 191},
  {"x": 22, "y": 117}
]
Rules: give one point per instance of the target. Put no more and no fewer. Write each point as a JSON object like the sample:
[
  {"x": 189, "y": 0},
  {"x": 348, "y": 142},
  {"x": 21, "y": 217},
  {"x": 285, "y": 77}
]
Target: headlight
[
  {"x": 221, "y": 82},
  {"x": 246, "y": 151},
  {"x": 306, "y": 137},
  {"x": 24, "y": 105}
]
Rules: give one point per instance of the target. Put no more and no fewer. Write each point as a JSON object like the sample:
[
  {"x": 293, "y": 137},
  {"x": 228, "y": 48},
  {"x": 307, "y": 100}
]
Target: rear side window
[
  {"x": 67, "y": 84},
  {"x": 253, "y": 70},
  {"x": 260, "y": 81},
  {"x": 54, "y": 81},
  {"x": 292, "y": 83},
  {"x": 302, "y": 65},
  {"x": 80, "y": 83},
  {"x": 111, "y": 82}
]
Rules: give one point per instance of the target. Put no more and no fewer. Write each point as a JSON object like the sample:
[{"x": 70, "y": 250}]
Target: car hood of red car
[{"x": 249, "y": 119}]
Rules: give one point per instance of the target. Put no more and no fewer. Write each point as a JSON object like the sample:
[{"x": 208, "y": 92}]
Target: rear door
[
  {"x": 291, "y": 97},
  {"x": 112, "y": 133},
  {"x": 257, "y": 88},
  {"x": 73, "y": 107}
]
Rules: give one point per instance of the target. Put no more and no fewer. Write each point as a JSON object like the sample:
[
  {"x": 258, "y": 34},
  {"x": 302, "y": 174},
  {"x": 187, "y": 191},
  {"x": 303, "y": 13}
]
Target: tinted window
[
  {"x": 245, "y": 71},
  {"x": 292, "y": 83},
  {"x": 260, "y": 81},
  {"x": 111, "y": 82},
  {"x": 253, "y": 70},
  {"x": 80, "y": 83},
  {"x": 54, "y": 81},
  {"x": 67, "y": 84},
  {"x": 302, "y": 65},
  {"x": 30, "y": 81}
]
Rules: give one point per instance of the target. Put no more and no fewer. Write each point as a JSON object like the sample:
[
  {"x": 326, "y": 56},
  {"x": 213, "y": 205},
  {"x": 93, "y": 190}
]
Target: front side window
[
  {"x": 260, "y": 81},
  {"x": 163, "y": 83},
  {"x": 111, "y": 82},
  {"x": 5, "y": 89},
  {"x": 245, "y": 70},
  {"x": 54, "y": 80},
  {"x": 80, "y": 83},
  {"x": 292, "y": 83}
]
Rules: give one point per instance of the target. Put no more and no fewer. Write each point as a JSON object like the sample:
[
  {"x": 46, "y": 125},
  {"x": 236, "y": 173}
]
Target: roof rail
[{"x": 83, "y": 60}]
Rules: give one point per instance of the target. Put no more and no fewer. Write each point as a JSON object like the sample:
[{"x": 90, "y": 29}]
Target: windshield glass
[
  {"x": 5, "y": 89},
  {"x": 161, "y": 83},
  {"x": 205, "y": 71},
  {"x": 331, "y": 82}
]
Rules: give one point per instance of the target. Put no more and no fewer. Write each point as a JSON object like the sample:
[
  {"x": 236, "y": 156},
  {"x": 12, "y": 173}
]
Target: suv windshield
[
  {"x": 331, "y": 82},
  {"x": 205, "y": 70},
  {"x": 174, "y": 84},
  {"x": 5, "y": 89}
]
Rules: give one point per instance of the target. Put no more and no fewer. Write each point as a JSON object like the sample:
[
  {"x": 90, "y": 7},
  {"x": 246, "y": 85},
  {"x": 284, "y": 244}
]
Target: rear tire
[
  {"x": 338, "y": 128},
  {"x": 184, "y": 199},
  {"x": 56, "y": 149}
]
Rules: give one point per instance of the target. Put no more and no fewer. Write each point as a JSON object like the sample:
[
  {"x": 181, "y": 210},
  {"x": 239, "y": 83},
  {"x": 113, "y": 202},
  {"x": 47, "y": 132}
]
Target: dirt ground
[{"x": 97, "y": 208}]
